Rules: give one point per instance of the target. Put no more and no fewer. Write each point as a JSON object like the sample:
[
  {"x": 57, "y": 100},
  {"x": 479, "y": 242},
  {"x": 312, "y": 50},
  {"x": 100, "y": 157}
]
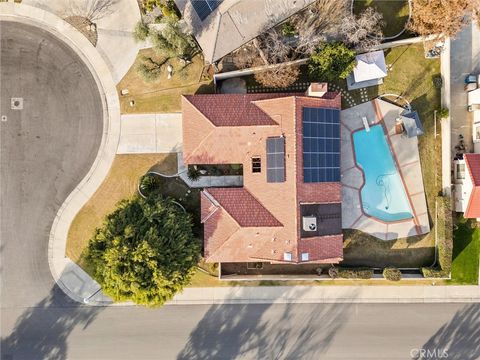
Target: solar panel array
[
  {"x": 275, "y": 159},
  {"x": 203, "y": 8},
  {"x": 321, "y": 145}
]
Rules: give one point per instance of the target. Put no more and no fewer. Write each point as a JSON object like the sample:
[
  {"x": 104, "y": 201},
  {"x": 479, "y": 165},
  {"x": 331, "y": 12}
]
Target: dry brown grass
[
  {"x": 162, "y": 95},
  {"x": 121, "y": 183}
]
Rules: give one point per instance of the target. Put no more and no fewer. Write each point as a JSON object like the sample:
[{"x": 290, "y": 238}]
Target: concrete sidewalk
[
  {"x": 314, "y": 295},
  {"x": 328, "y": 294},
  {"x": 115, "y": 24}
]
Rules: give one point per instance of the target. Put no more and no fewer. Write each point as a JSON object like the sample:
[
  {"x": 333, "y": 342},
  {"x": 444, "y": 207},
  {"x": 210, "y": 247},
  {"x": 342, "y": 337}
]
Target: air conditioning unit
[{"x": 309, "y": 223}]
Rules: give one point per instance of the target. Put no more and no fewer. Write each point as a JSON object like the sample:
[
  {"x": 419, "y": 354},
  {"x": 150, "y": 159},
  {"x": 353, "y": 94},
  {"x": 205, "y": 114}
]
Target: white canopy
[{"x": 370, "y": 66}]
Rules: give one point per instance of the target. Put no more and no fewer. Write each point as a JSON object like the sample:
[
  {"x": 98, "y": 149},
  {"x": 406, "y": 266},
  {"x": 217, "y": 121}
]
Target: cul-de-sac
[{"x": 239, "y": 179}]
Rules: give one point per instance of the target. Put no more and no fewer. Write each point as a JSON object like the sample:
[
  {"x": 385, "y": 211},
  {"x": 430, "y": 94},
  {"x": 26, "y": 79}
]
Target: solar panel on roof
[
  {"x": 321, "y": 145},
  {"x": 203, "y": 8},
  {"x": 275, "y": 159}
]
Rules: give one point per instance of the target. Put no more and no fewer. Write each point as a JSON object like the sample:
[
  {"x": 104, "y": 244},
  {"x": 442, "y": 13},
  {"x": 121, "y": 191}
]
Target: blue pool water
[{"x": 383, "y": 194}]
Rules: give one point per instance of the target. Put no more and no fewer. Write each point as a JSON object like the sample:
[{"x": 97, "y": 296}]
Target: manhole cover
[{"x": 16, "y": 103}]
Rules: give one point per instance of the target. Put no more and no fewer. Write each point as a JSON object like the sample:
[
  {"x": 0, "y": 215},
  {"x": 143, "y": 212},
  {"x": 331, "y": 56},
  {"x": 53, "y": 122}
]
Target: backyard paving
[{"x": 408, "y": 163}]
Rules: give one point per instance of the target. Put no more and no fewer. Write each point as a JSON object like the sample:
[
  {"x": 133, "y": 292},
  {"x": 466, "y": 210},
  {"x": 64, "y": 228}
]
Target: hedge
[
  {"x": 444, "y": 240},
  {"x": 434, "y": 273},
  {"x": 350, "y": 273},
  {"x": 392, "y": 274}
]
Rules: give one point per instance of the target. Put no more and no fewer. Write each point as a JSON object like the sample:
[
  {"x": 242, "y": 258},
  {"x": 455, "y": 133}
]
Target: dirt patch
[{"x": 85, "y": 26}]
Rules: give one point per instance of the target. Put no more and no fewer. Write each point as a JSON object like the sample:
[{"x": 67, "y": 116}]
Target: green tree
[
  {"x": 141, "y": 31},
  {"x": 331, "y": 62},
  {"x": 144, "y": 252},
  {"x": 171, "y": 41}
]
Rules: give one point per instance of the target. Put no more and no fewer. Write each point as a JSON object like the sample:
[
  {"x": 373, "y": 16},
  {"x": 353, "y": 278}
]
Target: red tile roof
[
  {"x": 243, "y": 207},
  {"x": 233, "y": 109},
  {"x": 261, "y": 221},
  {"x": 326, "y": 248},
  {"x": 473, "y": 165}
]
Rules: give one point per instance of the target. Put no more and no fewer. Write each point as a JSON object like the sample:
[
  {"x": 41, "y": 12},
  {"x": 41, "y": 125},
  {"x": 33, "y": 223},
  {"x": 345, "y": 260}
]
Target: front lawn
[
  {"x": 121, "y": 183},
  {"x": 395, "y": 13},
  {"x": 162, "y": 95},
  {"x": 466, "y": 250}
]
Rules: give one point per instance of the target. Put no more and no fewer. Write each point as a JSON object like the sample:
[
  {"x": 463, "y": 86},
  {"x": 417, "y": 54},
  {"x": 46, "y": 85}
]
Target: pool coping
[{"x": 417, "y": 226}]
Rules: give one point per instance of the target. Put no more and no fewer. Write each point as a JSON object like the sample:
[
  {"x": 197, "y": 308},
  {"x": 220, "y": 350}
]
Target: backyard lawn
[
  {"x": 395, "y": 13},
  {"x": 466, "y": 252},
  {"x": 121, "y": 183},
  {"x": 410, "y": 76},
  {"x": 162, "y": 95}
]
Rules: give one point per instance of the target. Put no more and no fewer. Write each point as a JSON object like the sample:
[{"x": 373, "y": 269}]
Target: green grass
[
  {"x": 395, "y": 13},
  {"x": 466, "y": 249},
  {"x": 120, "y": 183}
]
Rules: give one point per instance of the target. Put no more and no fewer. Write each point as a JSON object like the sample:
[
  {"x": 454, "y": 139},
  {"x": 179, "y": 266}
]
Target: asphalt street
[{"x": 47, "y": 148}]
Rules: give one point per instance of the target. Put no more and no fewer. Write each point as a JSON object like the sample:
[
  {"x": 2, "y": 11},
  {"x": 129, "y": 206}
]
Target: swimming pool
[{"x": 383, "y": 194}]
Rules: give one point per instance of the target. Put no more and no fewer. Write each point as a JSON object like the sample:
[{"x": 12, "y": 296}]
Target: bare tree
[
  {"x": 364, "y": 31},
  {"x": 318, "y": 23},
  {"x": 93, "y": 10},
  {"x": 278, "y": 77},
  {"x": 440, "y": 17}
]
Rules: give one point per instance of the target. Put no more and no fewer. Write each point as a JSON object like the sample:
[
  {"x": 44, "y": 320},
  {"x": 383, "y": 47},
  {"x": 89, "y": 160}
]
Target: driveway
[
  {"x": 150, "y": 133},
  {"x": 464, "y": 59}
]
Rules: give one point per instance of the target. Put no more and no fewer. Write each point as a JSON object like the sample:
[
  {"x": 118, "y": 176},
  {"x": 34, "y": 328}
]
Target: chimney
[{"x": 317, "y": 89}]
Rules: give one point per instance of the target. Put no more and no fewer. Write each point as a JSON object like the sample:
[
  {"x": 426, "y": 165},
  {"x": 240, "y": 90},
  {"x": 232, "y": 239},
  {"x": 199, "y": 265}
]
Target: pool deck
[{"x": 407, "y": 159}]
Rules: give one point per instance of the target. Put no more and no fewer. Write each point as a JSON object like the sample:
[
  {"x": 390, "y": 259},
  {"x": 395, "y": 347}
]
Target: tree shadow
[
  {"x": 41, "y": 332},
  {"x": 265, "y": 331},
  {"x": 460, "y": 337}
]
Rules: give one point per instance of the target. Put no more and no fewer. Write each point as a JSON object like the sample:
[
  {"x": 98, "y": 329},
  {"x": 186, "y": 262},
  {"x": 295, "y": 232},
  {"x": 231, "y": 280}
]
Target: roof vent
[
  {"x": 317, "y": 89},
  {"x": 309, "y": 223}
]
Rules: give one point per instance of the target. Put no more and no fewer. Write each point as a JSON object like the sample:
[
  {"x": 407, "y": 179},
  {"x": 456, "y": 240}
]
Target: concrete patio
[{"x": 405, "y": 153}]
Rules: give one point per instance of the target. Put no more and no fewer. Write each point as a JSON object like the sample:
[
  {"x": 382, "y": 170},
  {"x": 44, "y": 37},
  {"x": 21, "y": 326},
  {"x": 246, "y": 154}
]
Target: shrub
[
  {"x": 445, "y": 234},
  {"x": 193, "y": 173},
  {"x": 148, "y": 183},
  {"x": 429, "y": 272},
  {"x": 169, "y": 10},
  {"x": 331, "y": 62},
  {"x": 360, "y": 273},
  {"x": 288, "y": 29},
  {"x": 279, "y": 77},
  {"x": 171, "y": 41},
  {"x": 392, "y": 274},
  {"x": 333, "y": 272},
  {"x": 444, "y": 241},
  {"x": 443, "y": 113},
  {"x": 145, "y": 251},
  {"x": 141, "y": 31}
]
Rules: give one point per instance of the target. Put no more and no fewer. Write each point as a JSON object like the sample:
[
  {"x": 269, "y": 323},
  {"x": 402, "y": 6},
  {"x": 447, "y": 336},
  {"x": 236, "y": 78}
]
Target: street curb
[{"x": 57, "y": 260}]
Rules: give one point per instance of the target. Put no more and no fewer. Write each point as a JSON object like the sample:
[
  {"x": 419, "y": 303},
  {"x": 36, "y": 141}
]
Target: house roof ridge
[{"x": 205, "y": 137}]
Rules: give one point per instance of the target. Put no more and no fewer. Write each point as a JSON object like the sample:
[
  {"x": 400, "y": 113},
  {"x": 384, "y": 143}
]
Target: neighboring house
[
  {"x": 370, "y": 69},
  {"x": 289, "y": 208},
  {"x": 467, "y": 185},
  {"x": 222, "y": 26}
]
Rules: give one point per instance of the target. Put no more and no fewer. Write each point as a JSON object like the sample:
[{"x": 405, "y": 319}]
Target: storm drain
[{"x": 16, "y": 103}]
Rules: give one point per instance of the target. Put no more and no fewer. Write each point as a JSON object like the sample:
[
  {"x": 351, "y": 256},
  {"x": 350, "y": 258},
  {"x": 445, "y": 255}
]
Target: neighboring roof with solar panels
[
  {"x": 222, "y": 26},
  {"x": 203, "y": 8},
  {"x": 229, "y": 135},
  {"x": 321, "y": 145}
]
